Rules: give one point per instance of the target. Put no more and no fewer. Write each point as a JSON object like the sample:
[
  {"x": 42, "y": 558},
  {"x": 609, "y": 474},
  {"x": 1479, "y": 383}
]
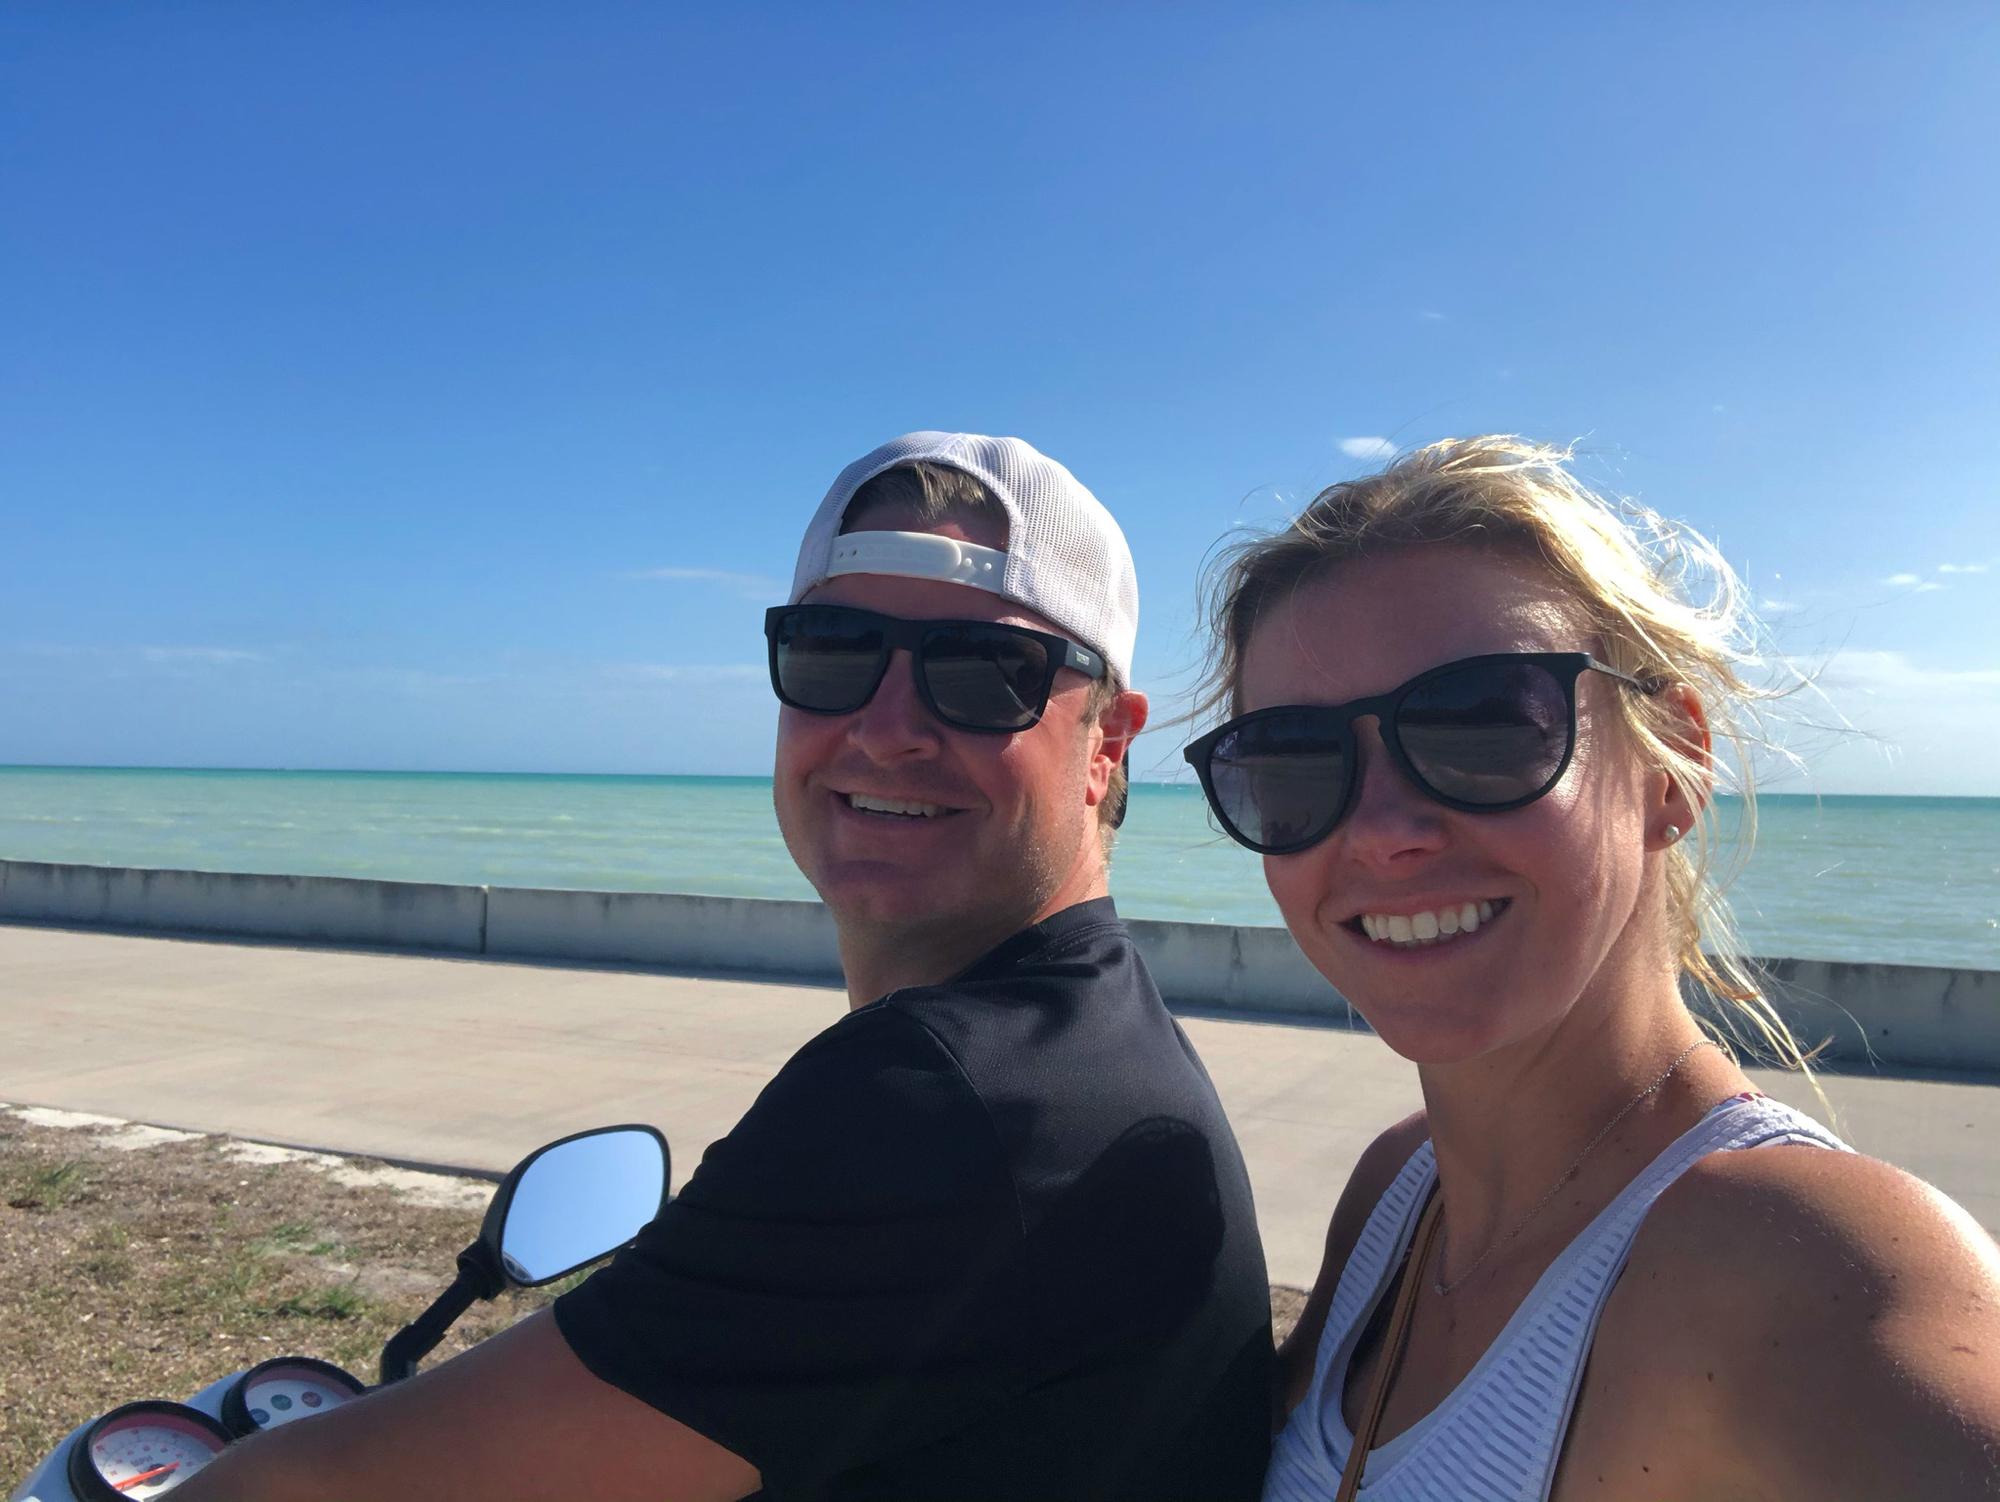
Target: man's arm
[
  {"x": 518, "y": 1416},
  {"x": 829, "y": 1286}
]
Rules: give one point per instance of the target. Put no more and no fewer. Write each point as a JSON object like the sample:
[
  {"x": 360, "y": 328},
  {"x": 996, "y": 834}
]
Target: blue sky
[{"x": 444, "y": 387}]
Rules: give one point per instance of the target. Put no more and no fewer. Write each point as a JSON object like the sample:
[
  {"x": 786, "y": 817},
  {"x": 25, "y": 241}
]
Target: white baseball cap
[{"x": 1065, "y": 558}]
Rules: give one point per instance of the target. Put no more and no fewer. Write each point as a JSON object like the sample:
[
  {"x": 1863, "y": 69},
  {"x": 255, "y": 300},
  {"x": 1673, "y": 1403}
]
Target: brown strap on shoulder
[{"x": 1393, "y": 1340}]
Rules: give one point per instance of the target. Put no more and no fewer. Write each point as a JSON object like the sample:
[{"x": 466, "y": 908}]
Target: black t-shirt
[{"x": 986, "y": 1240}]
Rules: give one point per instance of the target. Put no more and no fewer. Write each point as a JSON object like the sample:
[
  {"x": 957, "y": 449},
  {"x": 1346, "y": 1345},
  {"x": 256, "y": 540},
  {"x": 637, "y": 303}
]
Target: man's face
[{"x": 1006, "y": 824}]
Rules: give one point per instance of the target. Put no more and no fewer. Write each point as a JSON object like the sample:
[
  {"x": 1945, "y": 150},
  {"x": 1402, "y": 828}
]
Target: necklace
[{"x": 1444, "y": 1288}]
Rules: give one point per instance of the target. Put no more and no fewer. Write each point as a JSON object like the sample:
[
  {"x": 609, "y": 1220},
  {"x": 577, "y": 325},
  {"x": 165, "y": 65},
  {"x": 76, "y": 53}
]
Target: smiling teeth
[
  {"x": 1415, "y": 929},
  {"x": 893, "y": 806}
]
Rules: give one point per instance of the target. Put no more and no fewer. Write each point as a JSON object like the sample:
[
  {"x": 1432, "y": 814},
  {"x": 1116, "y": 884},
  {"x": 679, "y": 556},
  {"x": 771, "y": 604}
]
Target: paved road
[{"x": 471, "y": 1063}]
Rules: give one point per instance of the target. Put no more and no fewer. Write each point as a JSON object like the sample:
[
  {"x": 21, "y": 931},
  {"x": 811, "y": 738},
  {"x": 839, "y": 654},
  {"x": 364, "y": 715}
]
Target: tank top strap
[
  {"x": 1749, "y": 1120},
  {"x": 1311, "y": 1452},
  {"x": 1569, "y": 1299}
]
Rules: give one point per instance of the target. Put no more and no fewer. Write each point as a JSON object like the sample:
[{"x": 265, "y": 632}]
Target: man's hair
[{"x": 926, "y": 494}]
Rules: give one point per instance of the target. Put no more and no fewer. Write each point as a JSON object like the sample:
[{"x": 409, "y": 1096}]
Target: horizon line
[{"x": 1187, "y": 783}]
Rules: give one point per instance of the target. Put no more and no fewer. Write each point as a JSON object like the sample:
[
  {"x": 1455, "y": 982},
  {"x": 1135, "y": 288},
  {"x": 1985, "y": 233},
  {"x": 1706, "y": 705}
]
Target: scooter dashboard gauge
[
  {"x": 285, "y": 1388},
  {"x": 142, "y": 1450}
]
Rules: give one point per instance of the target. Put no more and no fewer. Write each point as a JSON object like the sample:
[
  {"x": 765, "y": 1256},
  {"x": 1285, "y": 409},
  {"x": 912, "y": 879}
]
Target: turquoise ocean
[{"x": 1893, "y": 880}]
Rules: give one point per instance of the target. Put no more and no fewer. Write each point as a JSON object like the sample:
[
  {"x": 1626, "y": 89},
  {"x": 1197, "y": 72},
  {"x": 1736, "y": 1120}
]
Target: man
[{"x": 988, "y": 1236}]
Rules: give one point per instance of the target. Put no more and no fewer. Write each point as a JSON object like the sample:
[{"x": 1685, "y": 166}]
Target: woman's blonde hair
[{"x": 1658, "y": 595}]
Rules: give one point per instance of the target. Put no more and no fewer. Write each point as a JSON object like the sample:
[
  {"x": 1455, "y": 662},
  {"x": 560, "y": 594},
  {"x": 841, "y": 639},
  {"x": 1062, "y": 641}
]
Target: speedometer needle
[{"x": 158, "y": 1470}]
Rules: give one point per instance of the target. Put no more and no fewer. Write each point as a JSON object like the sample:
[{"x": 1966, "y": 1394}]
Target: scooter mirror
[
  {"x": 576, "y": 1200},
  {"x": 564, "y": 1205}
]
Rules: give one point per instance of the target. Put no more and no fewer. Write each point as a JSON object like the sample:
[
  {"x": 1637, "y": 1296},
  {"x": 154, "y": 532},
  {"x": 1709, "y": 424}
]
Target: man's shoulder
[
  {"x": 873, "y": 1106},
  {"x": 1072, "y": 1028},
  {"x": 1080, "y": 961},
  {"x": 1082, "y": 943},
  {"x": 881, "y": 1060},
  {"x": 1095, "y": 1096}
]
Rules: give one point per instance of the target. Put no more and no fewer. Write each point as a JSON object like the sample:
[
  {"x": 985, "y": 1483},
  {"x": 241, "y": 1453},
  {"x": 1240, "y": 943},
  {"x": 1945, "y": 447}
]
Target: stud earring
[{"x": 1673, "y": 833}]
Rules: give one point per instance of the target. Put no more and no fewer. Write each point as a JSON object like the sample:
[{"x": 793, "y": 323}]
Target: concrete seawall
[
  {"x": 317, "y": 909},
  {"x": 1900, "y": 1014}
]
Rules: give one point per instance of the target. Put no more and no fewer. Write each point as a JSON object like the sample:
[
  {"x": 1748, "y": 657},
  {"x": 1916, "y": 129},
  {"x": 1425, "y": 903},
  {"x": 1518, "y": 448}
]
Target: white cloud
[
  {"x": 416, "y": 681},
  {"x": 125, "y": 661},
  {"x": 1431, "y": 315},
  {"x": 1367, "y": 448},
  {"x": 209, "y": 656},
  {"x": 752, "y": 586},
  {"x": 1884, "y": 722},
  {"x": 1927, "y": 587},
  {"x": 1779, "y": 607},
  {"x": 1874, "y": 671},
  {"x": 1961, "y": 568},
  {"x": 674, "y": 672}
]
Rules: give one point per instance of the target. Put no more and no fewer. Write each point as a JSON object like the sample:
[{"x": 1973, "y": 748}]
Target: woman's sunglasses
[
  {"x": 974, "y": 675},
  {"x": 1483, "y": 734}
]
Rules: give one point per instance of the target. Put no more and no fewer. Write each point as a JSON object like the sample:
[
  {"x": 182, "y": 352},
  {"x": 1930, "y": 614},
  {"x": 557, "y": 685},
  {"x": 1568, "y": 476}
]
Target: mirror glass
[{"x": 579, "y": 1200}]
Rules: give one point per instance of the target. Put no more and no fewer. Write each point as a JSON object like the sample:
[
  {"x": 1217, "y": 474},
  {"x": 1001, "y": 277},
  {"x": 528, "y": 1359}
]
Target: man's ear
[{"x": 1117, "y": 727}]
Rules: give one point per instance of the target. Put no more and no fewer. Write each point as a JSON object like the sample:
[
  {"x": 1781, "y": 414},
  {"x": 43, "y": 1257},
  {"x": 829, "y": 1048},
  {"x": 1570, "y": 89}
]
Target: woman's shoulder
[
  {"x": 1378, "y": 1167},
  {"x": 1374, "y": 1171},
  {"x": 1791, "y": 1287},
  {"x": 1780, "y": 1221}
]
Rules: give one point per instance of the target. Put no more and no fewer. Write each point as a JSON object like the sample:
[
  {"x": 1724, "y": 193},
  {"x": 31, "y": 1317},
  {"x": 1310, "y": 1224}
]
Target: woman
[{"x": 1474, "y": 711}]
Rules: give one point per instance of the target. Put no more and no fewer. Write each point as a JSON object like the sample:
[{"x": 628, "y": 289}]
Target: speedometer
[
  {"x": 142, "y": 1450},
  {"x": 289, "y": 1387}
]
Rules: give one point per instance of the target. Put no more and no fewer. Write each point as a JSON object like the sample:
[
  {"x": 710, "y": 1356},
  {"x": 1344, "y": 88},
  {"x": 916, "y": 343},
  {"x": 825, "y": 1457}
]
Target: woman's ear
[{"x": 1678, "y": 803}]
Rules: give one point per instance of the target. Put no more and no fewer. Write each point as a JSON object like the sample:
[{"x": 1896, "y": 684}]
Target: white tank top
[{"x": 1497, "y": 1435}]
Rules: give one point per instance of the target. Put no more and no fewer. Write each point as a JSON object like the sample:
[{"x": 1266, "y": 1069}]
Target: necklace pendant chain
[{"x": 1443, "y": 1288}]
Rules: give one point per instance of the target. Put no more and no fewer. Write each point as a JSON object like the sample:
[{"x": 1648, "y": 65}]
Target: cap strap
[{"x": 918, "y": 555}]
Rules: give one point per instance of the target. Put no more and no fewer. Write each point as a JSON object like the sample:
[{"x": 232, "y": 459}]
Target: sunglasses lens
[
  {"x": 827, "y": 660},
  {"x": 986, "y": 679},
  {"x": 1487, "y": 734},
  {"x": 1280, "y": 780}
]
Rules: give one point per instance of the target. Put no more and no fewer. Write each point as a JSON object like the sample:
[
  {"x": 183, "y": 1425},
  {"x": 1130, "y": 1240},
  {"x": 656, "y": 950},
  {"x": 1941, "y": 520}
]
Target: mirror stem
[{"x": 423, "y": 1335}]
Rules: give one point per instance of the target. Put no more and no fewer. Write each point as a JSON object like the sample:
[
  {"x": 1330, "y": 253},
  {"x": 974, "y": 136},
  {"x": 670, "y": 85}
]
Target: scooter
[{"x": 562, "y": 1207}]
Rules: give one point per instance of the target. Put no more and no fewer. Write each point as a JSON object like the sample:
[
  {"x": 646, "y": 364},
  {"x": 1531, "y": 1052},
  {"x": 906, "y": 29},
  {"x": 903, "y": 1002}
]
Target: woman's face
[{"x": 1562, "y": 878}]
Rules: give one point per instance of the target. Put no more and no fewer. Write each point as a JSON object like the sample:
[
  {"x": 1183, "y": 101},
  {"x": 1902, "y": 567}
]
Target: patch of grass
[
  {"x": 567, "y": 1281},
  {"x": 48, "y": 1186},
  {"x": 104, "y": 1258},
  {"x": 149, "y": 1274},
  {"x": 1287, "y": 1304},
  {"x": 323, "y": 1303},
  {"x": 301, "y": 1237}
]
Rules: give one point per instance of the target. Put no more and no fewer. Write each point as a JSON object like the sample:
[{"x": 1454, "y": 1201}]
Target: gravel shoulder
[{"x": 139, "y": 1262}]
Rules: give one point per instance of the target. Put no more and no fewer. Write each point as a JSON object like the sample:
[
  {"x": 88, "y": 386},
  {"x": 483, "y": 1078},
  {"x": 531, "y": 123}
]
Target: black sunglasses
[
  {"x": 983, "y": 676},
  {"x": 1483, "y": 734}
]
